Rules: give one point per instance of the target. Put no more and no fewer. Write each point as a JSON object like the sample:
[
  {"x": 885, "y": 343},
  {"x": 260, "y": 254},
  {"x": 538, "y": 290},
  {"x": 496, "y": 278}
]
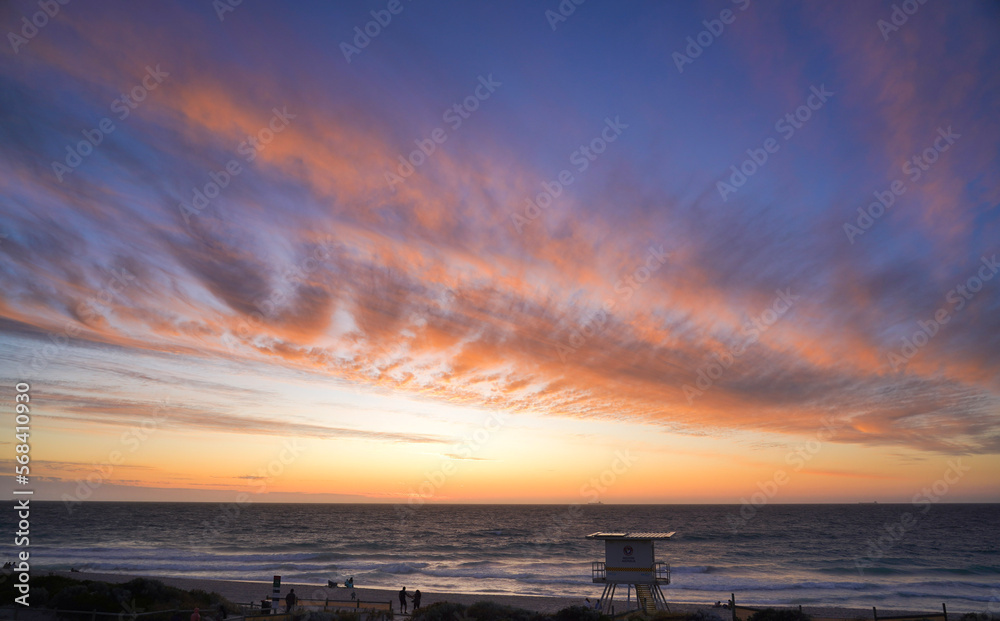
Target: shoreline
[{"x": 241, "y": 591}]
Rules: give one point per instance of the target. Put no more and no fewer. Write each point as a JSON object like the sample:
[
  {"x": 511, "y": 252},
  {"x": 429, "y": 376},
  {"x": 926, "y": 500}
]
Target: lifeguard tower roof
[{"x": 631, "y": 535}]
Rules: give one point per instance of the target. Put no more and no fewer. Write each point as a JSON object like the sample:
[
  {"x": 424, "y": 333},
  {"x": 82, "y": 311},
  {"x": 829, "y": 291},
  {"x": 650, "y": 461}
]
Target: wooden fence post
[{"x": 732, "y": 605}]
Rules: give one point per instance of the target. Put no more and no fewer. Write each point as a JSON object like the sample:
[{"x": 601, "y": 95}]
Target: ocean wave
[
  {"x": 400, "y": 568},
  {"x": 692, "y": 569},
  {"x": 751, "y": 585},
  {"x": 499, "y": 532},
  {"x": 969, "y": 597},
  {"x": 188, "y": 567},
  {"x": 176, "y": 554},
  {"x": 910, "y": 570},
  {"x": 949, "y": 586}
]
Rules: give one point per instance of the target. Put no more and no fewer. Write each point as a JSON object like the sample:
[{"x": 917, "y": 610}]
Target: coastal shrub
[
  {"x": 441, "y": 611},
  {"x": 340, "y": 615},
  {"x": 779, "y": 614},
  {"x": 703, "y": 615},
  {"x": 665, "y": 615},
  {"x": 40, "y": 597},
  {"x": 634, "y": 615},
  {"x": 135, "y": 596},
  {"x": 577, "y": 613},
  {"x": 85, "y": 597},
  {"x": 146, "y": 589},
  {"x": 492, "y": 611}
]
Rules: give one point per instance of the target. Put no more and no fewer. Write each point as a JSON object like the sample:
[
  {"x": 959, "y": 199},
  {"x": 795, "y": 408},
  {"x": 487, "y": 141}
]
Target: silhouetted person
[
  {"x": 402, "y": 600},
  {"x": 290, "y": 600},
  {"x": 416, "y": 599}
]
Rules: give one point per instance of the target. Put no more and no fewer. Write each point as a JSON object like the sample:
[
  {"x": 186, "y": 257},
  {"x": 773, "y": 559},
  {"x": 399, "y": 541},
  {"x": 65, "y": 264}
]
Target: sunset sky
[{"x": 636, "y": 252}]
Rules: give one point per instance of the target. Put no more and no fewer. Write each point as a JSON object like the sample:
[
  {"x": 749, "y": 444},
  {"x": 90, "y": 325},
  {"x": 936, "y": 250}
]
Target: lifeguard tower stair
[
  {"x": 645, "y": 596},
  {"x": 629, "y": 559}
]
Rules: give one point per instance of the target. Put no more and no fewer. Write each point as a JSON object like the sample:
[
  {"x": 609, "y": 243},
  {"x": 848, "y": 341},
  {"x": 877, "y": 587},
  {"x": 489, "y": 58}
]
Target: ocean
[{"x": 890, "y": 556}]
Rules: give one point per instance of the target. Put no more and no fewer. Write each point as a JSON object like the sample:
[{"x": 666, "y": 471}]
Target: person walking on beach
[
  {"x": 290, "y": 600},
  {"x": 416, "y": 599},
  {"x": 402, "y": 601}
]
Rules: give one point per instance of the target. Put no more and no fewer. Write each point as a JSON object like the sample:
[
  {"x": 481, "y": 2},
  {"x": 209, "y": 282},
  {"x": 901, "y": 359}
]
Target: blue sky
[{"x": 393, "y": 318}]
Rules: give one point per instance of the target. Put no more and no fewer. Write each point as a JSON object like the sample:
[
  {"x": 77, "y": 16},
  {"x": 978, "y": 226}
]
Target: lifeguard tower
[{"x": 629, "y": 559}]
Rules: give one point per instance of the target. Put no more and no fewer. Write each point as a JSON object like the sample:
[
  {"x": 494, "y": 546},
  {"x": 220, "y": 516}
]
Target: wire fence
[{"x": 743, "y": 613}]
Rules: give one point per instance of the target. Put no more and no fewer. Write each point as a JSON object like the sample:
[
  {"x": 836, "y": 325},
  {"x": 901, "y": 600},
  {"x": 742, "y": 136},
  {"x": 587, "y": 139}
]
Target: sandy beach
[{"x": 244, "y": 592}]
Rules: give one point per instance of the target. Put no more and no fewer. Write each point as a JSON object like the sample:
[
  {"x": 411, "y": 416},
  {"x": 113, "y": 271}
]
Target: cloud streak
[{"x": 309, "y": 261}]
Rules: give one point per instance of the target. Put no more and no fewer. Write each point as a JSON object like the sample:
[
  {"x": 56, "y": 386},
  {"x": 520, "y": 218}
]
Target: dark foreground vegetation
[
  {"x": 489, "y": 611},
  {"x": 142, "y": 596},
  {"x": 126, "y": 599}
]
